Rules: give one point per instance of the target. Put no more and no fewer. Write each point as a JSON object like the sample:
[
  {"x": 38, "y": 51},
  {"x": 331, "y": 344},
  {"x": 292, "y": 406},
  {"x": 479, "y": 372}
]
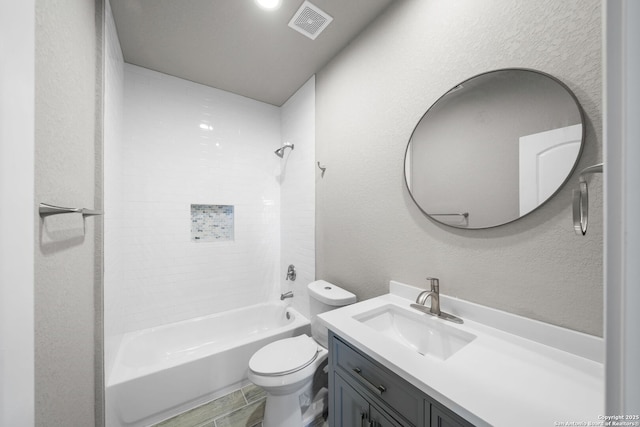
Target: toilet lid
[{"x": 284, "y": 356}]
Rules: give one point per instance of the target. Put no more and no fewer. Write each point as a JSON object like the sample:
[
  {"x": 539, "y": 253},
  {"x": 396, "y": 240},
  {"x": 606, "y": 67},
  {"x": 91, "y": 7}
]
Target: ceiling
[{"x": 234, "y": 45}]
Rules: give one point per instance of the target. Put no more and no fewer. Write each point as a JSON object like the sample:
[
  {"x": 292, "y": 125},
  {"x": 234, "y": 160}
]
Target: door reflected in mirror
[{"x": 494, "y": 148}]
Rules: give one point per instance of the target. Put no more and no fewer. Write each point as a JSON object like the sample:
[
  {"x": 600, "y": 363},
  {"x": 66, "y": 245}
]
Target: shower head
[{"x": 280, "y": 151}]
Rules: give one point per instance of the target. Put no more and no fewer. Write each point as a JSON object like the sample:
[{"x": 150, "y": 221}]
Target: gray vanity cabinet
[
  {"x": 354, "y": 410},
  {"x": 362, "y": 393},
  {"x": 351, "y": 408},
  {"x": 441, "y": 419},
  {"x": 379, "y": 419}
]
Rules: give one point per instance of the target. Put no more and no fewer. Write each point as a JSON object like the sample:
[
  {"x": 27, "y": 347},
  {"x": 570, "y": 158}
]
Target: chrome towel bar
[
  {"x": 464, "y": 214},
  {"x": 45, "y": 210}
]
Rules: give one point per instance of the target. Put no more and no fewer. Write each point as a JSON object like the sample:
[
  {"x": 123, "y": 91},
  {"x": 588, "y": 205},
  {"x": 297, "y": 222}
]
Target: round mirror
[{"x": 494, "y": 148}]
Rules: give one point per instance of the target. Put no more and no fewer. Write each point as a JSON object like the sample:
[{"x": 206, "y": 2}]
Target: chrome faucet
[
  {"x": 434, "y": 293},
  {"x": 286, "y": 295},
  {"x": 434, "y": 310}
]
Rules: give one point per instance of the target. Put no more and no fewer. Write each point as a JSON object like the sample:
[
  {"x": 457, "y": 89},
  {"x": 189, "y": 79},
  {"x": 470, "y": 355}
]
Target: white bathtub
[{"x": 160, "y": 372}]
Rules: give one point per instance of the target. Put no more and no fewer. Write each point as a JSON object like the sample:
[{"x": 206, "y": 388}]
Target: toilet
[{"x": 285, "y": 369}]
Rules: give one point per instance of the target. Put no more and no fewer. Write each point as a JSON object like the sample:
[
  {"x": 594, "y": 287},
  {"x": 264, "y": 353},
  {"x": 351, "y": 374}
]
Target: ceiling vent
[{"x": 310, "y": 20}]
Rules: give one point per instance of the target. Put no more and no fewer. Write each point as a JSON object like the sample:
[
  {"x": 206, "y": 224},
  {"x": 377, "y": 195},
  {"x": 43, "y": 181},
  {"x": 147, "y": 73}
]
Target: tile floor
[{"x": 240, "y": 408}]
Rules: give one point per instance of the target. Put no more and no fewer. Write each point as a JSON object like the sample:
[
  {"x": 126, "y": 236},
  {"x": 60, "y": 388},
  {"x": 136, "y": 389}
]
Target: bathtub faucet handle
[
  {"x": 286, "y": 295},
  {"x": 291, "y": 273}
]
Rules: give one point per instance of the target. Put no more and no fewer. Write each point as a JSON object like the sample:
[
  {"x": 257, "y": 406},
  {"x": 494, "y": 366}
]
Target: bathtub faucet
[{"x": 286, "y": 295}]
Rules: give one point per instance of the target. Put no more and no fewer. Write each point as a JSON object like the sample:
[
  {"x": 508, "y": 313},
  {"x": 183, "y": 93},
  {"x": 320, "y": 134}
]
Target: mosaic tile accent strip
[{"x": 211, "y": 223}]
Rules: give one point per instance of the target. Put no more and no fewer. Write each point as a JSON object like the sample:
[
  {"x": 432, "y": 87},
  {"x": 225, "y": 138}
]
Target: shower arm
[{"x": 280, "y": 151}]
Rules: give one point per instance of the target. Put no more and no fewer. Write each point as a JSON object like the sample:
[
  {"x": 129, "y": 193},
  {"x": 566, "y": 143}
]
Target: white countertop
[{"x": 517, "y": 372}]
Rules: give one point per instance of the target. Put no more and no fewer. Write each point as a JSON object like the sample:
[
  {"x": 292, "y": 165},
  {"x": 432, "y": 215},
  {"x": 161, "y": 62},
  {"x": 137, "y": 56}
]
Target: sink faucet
[
  {"x": 434, "y": 310},
  {"x": 434, "y": 293},
  {"x": 286, "y": 295}
]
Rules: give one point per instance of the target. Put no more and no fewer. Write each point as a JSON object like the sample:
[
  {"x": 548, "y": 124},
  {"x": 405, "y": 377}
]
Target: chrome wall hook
[
  {"x": 581, "y": 200},
  {"x": 323, "y": 169}
]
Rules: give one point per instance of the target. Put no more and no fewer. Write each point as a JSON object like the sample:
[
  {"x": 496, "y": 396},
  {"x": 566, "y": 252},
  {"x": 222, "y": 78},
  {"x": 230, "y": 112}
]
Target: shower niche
[{"x": 212, "y": 223}]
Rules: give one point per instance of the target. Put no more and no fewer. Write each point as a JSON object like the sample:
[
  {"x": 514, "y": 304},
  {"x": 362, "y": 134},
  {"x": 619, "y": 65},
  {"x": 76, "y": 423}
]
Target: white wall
[
  {"x": 114, "y": 290},
  {"x": 297, "y": 176},
  {"x": 17, "y": 44},
  {"x": 170, "y": 162},
  {"x": 368, "y": 101}
]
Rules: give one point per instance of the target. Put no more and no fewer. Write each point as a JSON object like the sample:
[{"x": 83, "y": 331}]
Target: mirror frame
[{"x": 564, "y": 182}]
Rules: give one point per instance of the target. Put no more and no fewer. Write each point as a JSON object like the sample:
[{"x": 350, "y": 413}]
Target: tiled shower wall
[
  {"x": 171, "y": 144},
  {"x": 298, "y": 179},
  {"x": 186, "y": 144}
]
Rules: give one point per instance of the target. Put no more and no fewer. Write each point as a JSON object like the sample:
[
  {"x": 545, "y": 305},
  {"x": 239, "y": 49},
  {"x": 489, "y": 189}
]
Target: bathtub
[{"x": 160, "y": 372}]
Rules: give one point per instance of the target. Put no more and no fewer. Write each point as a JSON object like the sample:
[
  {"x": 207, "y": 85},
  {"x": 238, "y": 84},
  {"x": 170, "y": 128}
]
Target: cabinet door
[
  {"x": 379, "y": 419},
  {"x": 441, "y": 419},
  {"x": 350, "y": 409}
]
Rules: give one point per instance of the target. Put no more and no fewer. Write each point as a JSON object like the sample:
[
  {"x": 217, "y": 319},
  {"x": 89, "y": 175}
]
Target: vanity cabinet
[
  {"x": 354, "y": 410},
  {"x": 441, "y": 419},
  {"x": 364, "y": 393}
]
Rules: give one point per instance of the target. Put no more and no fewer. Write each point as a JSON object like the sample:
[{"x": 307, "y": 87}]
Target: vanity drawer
[{"x": 379, "y": 382}]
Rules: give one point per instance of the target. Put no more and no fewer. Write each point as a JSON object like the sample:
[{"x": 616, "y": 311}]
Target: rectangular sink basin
[{"x": 427, "y": 335}]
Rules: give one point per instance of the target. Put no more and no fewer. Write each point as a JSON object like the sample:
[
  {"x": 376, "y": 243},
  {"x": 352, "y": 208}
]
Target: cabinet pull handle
[
  {"x": 365, "y": 421},
  {"x": 377, "y": 389}
]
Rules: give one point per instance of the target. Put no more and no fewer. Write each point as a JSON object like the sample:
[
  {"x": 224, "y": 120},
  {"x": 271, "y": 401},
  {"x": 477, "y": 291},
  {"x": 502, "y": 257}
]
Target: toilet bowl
[{"x": 286, "y": 368}]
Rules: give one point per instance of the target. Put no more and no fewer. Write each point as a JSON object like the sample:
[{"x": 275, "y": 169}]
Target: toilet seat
[{"x": 284, "y": 356}]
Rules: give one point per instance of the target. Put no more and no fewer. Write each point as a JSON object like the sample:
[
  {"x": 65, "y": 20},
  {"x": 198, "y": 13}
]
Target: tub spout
[{"x": 286, "y": 295}]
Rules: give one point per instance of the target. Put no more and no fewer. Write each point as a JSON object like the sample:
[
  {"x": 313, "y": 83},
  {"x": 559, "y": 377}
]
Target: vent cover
[{"x": 310, "y": 20}]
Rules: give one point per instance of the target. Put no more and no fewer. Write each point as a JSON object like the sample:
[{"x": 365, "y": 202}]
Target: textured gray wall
[
  {"x": 67, "y": 162},
  {"x": 368, "y": 100}
]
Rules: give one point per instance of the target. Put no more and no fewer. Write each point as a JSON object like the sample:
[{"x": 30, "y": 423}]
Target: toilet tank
[{"x": 325, "y": 296}]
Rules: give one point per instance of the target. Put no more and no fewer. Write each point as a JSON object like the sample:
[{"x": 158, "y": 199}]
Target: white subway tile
[{"x": 163, "y": 160}]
